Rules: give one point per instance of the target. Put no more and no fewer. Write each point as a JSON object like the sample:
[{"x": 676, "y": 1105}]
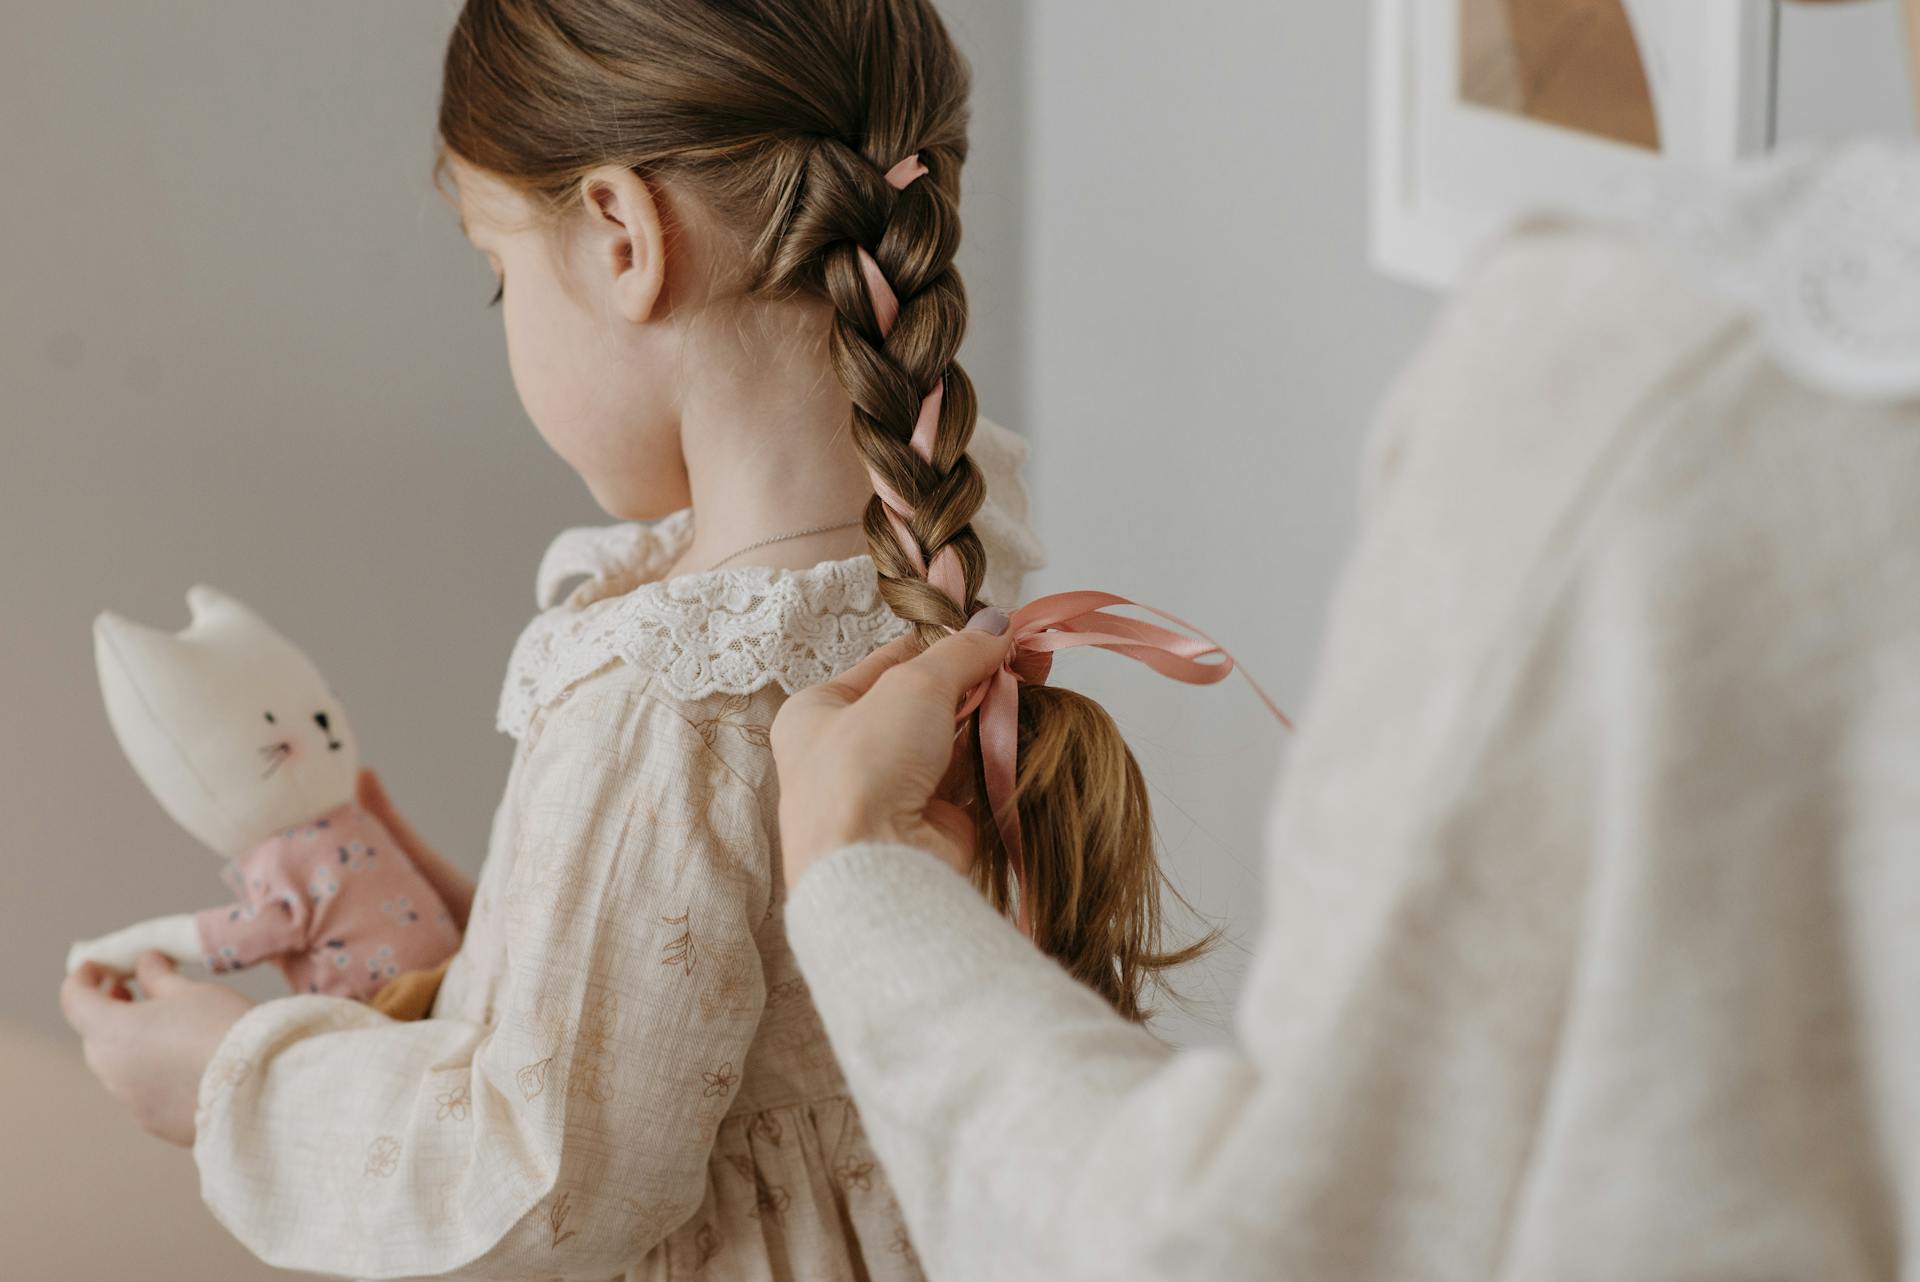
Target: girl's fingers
[
  {"x": 82, "y": 1001},
  {"x": 157, "y": 975}
]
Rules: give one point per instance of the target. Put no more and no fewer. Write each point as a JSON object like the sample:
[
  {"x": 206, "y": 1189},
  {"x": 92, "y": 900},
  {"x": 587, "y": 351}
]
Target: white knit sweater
[{"x": 1593, "y": 940}]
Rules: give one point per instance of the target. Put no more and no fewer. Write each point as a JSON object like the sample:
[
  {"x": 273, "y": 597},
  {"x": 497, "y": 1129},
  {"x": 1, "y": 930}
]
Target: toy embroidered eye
[{"x": 270, "y": 720}]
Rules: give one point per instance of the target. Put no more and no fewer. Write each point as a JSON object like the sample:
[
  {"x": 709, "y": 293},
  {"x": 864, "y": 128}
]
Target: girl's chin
[{"x": 627, "y": 505}]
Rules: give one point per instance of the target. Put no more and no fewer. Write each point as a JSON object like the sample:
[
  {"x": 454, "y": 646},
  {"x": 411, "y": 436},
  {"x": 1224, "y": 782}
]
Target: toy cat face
[{"x": 228, "y": 723}]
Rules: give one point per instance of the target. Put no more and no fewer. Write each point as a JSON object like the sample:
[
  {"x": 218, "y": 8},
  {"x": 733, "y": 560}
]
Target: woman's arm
[{"x": 570, "y": 1131}]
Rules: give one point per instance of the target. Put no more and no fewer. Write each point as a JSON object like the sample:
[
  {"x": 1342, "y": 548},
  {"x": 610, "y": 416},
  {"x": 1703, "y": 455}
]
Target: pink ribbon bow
[{"x": 1041, "y": 629}]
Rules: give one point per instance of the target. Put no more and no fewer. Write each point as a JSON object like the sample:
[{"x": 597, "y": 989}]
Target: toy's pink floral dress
[{"x": 623, "y": 1074}]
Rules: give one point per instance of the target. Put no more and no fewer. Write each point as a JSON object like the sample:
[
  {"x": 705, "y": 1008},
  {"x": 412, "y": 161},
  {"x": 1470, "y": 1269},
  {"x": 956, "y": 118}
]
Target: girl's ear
[{"x": 628, "y": 241}]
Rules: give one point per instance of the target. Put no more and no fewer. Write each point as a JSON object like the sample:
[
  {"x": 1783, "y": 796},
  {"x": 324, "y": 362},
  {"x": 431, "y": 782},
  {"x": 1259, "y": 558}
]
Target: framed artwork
[{"x": 1487, "y": 110}]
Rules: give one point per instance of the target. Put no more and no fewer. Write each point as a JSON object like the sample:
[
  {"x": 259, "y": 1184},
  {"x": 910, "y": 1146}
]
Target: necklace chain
[{"x": 809, "y": 532}]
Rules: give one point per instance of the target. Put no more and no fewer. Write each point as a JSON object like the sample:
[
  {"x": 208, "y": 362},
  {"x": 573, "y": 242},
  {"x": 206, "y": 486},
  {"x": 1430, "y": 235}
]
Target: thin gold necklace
[{"x": 782, "y": 538}]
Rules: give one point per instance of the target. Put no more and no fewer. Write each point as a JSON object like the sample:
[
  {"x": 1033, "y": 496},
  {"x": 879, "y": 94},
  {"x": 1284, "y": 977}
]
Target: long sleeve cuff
[
  {"x": 962, "y": 1043},
  {"x": 880, "y": 924}
]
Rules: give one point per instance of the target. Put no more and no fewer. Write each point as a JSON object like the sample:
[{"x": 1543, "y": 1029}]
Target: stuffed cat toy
[{"x": 236, "y": 734}]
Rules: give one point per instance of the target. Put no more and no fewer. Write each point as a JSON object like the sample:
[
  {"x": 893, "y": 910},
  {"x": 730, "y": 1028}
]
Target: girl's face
[{"x": 594, "y": 353}]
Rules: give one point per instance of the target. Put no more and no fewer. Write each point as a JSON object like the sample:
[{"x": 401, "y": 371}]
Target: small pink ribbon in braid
[
  {"x": 946, "y": 573},
  {"x": 1043, "y": 628}
]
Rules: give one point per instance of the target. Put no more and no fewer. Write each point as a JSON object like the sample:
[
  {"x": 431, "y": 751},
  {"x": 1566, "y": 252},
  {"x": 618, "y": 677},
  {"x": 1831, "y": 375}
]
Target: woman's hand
[
  {"x": 863, "y": 758},
  {"x": 151, "y": 1054},
  {"x": 454, "y": 887}
]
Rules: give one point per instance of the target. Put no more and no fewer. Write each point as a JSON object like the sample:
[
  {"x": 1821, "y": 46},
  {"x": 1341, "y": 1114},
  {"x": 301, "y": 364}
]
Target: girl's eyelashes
[{"x": 498, "y": 294}]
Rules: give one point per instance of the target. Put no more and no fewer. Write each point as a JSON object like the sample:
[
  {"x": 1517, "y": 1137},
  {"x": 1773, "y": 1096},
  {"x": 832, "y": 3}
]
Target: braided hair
[{"x": 827, "y": 137}]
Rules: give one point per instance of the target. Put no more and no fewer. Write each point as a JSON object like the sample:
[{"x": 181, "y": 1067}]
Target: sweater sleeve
[
  {"x": 1021, "y": 1061},
  {"x": 568, "y": 1133}
]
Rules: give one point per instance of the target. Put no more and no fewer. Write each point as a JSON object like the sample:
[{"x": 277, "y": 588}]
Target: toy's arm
[
  {"x": 230, "y": 937},
  {"x": 177, "y": 937}
]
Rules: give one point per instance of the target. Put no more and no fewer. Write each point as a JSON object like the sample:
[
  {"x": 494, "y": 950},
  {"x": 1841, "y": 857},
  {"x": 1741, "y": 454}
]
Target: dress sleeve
[{"x": 568, "y": 1134}]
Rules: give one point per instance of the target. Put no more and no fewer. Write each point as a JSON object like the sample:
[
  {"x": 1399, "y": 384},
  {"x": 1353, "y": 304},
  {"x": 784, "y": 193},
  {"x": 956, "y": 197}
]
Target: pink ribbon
[
  {"x": 1043, "y": 628},
  {"x": 946, "y": 573}
]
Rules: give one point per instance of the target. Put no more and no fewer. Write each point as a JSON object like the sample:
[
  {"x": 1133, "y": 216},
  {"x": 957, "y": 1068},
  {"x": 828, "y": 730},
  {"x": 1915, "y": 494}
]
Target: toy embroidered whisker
[{"x": 276, "y": 755}]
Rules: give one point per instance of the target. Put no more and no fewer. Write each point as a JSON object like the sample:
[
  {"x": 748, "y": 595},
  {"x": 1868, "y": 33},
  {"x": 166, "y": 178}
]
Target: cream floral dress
[{"x": 624, "y": 1075}]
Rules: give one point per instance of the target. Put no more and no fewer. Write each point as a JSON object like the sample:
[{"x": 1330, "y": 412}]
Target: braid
[{"x": 898, "y": 364}]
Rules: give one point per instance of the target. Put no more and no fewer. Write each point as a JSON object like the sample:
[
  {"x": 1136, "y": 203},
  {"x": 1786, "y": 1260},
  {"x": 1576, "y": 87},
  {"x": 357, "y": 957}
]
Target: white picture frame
[{"x": 1449, "y": 176}]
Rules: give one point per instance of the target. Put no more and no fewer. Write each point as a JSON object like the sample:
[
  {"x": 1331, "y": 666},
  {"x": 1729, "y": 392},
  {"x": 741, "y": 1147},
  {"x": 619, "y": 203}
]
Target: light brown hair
[{"x": 782, "y": 118}]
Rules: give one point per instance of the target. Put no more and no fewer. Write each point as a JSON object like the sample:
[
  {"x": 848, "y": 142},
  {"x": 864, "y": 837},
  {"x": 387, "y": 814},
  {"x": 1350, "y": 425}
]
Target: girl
[{"x": 724, "y": 230}]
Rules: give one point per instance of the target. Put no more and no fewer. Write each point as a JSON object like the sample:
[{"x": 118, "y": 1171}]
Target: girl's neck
[{"x": 768, "y": 454}]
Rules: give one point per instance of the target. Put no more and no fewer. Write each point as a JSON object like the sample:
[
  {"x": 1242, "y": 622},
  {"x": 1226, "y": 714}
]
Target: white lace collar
[
  {"x": 603, "y": 599},
  {"x": 1822, "y": 248},
  {"x": 732, "y": 631}
]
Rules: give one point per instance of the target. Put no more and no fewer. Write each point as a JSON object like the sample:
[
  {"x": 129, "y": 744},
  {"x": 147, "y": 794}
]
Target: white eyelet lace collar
[
  {"x": 1822, "y": 248},
  {"x": 731, "y": 631}
]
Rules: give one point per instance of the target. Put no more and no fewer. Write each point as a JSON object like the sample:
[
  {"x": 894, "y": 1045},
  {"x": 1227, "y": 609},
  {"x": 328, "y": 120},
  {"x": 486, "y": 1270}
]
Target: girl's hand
[
  {"x": 151, "y": 1054},
  {"x": 863, "y": 758},
  {"x": 454, "y": 887}
]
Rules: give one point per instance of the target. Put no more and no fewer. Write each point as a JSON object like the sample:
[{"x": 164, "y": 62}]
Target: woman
[{"x": 1590, "y": 946}]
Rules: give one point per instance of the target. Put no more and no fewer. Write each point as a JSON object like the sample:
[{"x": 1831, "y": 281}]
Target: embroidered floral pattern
[
  {"x": 455, "y": 1104},
  {"x": 383, "y": 1157},
  {"x": 855, "y": 1174},
  {"x": 532, "y": 1079},
  {"x": 733, "y": 716},
  {"x": 770, "y": 1201},
  {"x": 730, "y": 992},
  {"x": 706, "y": 1245},
  {"x": 720, "y": 1081},
  {"x": 681, "y": 950},
  {"x": 645, "y": 1225},
  {"x": 765, "y": 1126},
  {"x": 557, "y": 1216}
]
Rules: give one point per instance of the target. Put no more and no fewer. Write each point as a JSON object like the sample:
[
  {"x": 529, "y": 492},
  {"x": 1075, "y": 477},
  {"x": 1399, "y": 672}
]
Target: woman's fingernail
[{"x": 992, "y": 619}]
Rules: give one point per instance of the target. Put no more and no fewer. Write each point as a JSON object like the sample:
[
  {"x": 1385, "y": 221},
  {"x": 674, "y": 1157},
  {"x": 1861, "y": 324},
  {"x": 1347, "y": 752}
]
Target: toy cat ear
[
  {"x": 211, "y": 607},
  {"x": 119, "y": 641}
]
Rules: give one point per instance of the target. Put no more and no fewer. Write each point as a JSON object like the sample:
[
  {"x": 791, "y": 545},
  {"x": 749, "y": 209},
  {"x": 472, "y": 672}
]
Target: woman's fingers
[
  {"x": 859, "y": 679},
  {"x": 953, "y": 665}
]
